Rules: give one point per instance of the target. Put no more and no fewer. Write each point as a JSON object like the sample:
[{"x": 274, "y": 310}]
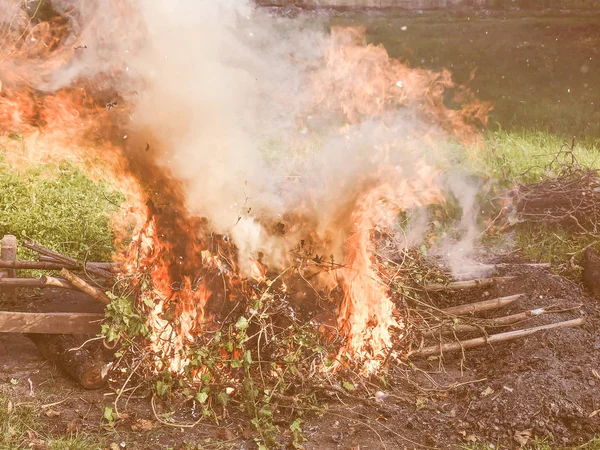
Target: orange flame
[
  {"x": 365, "y": 314},
  {"x": 82, "y": 123}
]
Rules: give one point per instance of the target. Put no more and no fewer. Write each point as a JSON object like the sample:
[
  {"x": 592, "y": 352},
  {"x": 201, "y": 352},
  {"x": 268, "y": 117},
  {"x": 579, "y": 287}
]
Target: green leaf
[
  {"x": 201, "y": 397},
  {"x": 236, "y": 364},
  {"x": 242, "y": 323},
  {"x": 108, "y": 414},
  {"x": 161, "y": 388},
  {"x": 348, "y": 386},
  {"x": 223, "y": 398},
  {"x": 205, "y": 378},
  {"x": 247, "y": 358},
  {"x": 265, "y": 412},
  {"x": 295, "y": 426}
]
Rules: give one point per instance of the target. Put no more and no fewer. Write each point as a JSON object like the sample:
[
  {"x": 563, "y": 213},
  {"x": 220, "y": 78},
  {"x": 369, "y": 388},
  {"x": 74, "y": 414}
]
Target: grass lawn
[{"x": 58, "y": 206}]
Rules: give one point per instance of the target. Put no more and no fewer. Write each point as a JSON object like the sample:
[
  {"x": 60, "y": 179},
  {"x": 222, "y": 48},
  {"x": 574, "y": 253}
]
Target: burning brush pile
[{"x": 267, "y": 167}]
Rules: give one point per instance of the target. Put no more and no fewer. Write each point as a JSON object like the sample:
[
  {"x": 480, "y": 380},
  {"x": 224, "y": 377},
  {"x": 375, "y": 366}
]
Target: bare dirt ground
[{"x": 544, "y": 386}]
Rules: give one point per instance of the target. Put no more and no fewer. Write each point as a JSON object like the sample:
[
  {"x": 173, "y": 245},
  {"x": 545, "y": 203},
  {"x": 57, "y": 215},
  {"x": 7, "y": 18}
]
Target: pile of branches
[{"x": 569, "y": 197}]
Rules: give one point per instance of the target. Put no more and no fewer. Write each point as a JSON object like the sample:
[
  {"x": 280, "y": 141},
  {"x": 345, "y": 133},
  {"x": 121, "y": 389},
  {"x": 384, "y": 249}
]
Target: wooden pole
[
  {"x": 83, "y": 286},
  {"x": 484, "y": 305},
  {"x": 9, "y": 253},
  {"x": 66, "y": 260},
  {"x": 110, "y": 266},
  {"x": 28, "y": 265},
  {"x": 43, "y": 282},
  {"x": 492, "y": 339},
  {"x": 50, "y": 323},
  {"x": 470, "y": 284},
  {"x": 50, "y": 265}
]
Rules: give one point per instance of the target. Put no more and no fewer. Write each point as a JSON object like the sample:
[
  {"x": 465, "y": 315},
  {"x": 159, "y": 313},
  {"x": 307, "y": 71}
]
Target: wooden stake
[
  {"x": 50, "y": 323},
  {"x": 66, "y": 260},
  {"x": 492, "y": 339},
  {"x": 470, "y": 284},
  {"x": 9, "y": 253},
  {"x": 83, "y": 286},
  {"x": 484, "y": 305}
]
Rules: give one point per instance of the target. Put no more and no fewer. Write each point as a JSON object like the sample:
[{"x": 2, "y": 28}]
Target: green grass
[
  {"x": 525, "y": 156},
  {"x": 21, "y": 427},
  {"x": 60, "y": 207}
]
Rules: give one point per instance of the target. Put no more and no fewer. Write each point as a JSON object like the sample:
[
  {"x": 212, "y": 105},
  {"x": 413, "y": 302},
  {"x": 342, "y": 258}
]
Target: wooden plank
[{"x": 50, "y": 323}]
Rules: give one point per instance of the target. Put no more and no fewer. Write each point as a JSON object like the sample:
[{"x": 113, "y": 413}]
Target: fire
[
  {"x": 366, "y": 313},
  {"x": 177, "y": 262},
  {"x": 361, "y": 82}
]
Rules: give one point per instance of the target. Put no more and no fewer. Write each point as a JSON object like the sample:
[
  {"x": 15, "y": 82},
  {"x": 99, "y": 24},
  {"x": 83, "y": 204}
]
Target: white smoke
[{"x": 224, "y": 92}]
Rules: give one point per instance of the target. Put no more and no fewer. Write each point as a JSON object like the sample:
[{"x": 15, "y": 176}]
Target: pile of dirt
[{"x": 544, "y": 386}]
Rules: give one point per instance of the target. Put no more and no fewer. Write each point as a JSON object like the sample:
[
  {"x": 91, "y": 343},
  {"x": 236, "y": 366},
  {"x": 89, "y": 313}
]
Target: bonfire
[{"x": 234, "y": 279}]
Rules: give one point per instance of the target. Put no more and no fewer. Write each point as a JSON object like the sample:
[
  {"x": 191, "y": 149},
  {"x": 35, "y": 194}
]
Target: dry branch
[
  {"x": 492, "y": 339},
  {"x": 484, "y": 305},
  {"x": 66, "y": 260},
  {"x": 27, "y": 265},
  {"x": 490, "y": 323},
  {"x": 85, "y": 287},
  {"x": 572, "y": 197},
  {"x": 470, "y": 284}
]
